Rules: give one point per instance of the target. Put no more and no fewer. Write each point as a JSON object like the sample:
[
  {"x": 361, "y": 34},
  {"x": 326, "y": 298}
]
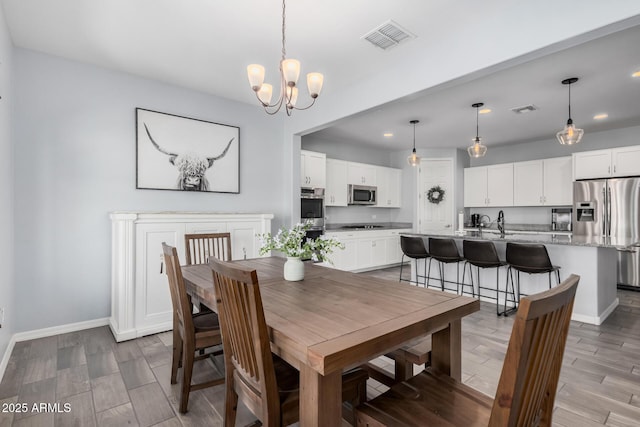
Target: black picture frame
[{"x": 186, "y": 154}]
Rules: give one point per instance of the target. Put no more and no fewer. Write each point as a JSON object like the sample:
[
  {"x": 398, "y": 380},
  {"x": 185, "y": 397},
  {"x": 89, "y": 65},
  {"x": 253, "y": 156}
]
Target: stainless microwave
[{"x": 362, "y": 195}]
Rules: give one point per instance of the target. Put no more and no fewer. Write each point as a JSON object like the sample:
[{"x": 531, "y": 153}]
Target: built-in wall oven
[{"x": 312, "y": 207}]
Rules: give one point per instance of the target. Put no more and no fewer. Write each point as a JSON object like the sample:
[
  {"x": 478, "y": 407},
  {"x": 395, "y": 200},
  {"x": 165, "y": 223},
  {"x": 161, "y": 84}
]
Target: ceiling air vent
[
  {"x": 388, "y": 35},
  {"x": 524, "y": 109}
]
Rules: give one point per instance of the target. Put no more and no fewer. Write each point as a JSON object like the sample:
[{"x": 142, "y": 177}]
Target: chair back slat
[
  {"x": 199, "y": 247},
  {"x": 248, "y": 359},
  {"x": 179, "y": 299},
  {"x": 527, "y": 387}
]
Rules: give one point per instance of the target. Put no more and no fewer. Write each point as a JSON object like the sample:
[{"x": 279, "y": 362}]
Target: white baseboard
[
  {"x": 47, "y": 332},
  {"x": 7, "y": 355},
  {"x": 62, "y": 329},
  {"x": 596, "y": 320}
]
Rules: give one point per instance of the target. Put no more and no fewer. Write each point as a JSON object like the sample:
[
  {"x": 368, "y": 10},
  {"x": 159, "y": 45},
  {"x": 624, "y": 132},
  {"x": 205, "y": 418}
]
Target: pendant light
[
  {"x": 477, "y": 149},
  {"x": 413, "y": 158},
  {"x": 570, "y": 134}
]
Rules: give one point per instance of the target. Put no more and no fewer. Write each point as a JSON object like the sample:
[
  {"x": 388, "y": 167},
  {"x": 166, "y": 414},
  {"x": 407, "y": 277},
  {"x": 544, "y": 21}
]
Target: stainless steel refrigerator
[{"x": 611, "y": 208}]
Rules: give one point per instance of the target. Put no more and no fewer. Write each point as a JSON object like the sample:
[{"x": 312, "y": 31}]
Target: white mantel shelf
[{"x": 140, "y": 300}]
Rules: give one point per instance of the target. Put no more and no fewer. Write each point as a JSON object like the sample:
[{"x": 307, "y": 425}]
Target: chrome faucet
[{"x": 501, "y": 223}]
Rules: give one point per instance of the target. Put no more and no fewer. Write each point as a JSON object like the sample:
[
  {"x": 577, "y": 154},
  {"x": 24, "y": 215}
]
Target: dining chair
[
  {"x": 199, "y": 247},
  {"x": 266, "y": 384},
  {"x": 526, "y": 390},
  {"x": 191, "y": 332}
]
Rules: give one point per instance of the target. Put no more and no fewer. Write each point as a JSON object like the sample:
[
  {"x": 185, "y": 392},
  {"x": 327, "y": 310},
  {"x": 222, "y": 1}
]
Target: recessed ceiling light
[
  {"x": 600, "y": 116},
  {"x": 485, "y": 111},
  {"x": 387, "y": 135},
  {"x": 636, "y": 74}
]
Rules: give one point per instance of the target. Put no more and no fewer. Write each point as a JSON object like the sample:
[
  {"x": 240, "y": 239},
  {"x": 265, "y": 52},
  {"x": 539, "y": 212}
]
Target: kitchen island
[{"x": 593, "y": 258}]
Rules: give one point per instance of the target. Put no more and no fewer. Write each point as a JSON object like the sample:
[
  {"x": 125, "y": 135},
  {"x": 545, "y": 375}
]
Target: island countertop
[{"x": 544, "y": 238}]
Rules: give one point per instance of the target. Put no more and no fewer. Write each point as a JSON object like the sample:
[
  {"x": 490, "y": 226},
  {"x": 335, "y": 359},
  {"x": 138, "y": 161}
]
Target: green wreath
[{"x": 435, "y": 194}]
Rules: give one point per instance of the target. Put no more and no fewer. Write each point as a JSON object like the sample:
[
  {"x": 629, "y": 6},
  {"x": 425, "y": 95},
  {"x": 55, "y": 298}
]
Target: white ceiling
[{"x": 205, "y": 45}]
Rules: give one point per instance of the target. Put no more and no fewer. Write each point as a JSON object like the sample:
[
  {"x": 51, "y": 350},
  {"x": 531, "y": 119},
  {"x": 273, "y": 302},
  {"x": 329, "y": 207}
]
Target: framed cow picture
[{"x": 184, "y": 154}]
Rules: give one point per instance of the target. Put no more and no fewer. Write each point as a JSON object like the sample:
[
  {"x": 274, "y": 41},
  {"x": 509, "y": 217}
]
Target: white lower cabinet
[
  {"x": 366, "y": 249},
  {"x": 140, "y": 299}
]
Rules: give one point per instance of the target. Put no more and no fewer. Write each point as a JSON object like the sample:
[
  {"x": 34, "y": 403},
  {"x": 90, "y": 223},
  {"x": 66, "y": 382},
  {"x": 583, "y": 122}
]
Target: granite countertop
[
  {"x": 544, "y": 238},
  {"x": 368, "y": 226}
]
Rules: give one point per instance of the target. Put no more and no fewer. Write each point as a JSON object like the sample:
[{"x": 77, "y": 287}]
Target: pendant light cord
[
  {"x": 414, "y": 137},
  {"x": 569, "y": 101}
]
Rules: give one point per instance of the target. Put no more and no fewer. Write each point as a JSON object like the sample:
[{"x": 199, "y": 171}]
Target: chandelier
[{"x": 289, "y": 73}]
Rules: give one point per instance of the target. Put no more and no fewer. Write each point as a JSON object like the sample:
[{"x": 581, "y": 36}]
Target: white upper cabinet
[
  {"x": 500, "y": 185},
  {"x": 625, "y": 161},
  {"x": 313, "y": 169},
  {"x": 489, "y": 186},
  {"x": 543, "y": 182},
  {"x": 361, "y": 174},
  {"x": 475, "y": 187},
  {"x": 389, "y": 187},
  {"x": 336, "y": 191},
  {"x": 557, "y": 181},
  {"x": 592, "y": 164},
  {"x": 622, "y": 161}
]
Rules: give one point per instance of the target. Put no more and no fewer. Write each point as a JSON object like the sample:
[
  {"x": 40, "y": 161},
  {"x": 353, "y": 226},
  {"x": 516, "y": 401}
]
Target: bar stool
[
  {"x": 413, "y": 247},
  {"x": 481, "y": 254},
  {"x": 445, "y": 251},
  {"x": 526, "y": 258}
]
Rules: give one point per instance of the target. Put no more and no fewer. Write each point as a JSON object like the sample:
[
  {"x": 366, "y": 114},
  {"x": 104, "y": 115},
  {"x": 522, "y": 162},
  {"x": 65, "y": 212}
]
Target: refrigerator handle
[
  {"x": 604, "y": 211},
  {"x": 608, "y": 211}
]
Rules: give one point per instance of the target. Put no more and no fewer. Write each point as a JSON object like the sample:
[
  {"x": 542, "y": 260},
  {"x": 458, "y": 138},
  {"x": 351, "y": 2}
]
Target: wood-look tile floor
[{"x": 97, "y": 382}]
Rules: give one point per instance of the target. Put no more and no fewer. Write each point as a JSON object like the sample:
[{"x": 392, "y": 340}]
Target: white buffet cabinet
[
  {"x": 366, "y": 249},
  {"x": 140, "y": 299}
]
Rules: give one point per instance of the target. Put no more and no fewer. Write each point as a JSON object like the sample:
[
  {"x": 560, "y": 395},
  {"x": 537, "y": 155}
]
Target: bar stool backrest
[
  {"x": 480, "y": 253},
  {"x": 413, "y": 247},
  {"x": 443, "y": 249},
  {"x": 529, "y": 258}
]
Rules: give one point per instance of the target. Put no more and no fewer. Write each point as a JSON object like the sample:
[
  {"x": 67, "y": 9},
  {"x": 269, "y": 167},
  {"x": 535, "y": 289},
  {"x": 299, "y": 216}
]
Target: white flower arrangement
[{"x": 293, "y": 243}]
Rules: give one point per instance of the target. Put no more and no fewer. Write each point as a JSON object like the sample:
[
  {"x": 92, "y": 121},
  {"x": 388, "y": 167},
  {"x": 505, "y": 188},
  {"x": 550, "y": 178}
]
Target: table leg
[
  {"x": 320, "y": 398},
  {"x": 446, "y": 352}
]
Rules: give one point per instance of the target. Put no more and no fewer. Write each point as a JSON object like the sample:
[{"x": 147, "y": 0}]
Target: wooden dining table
[{"x": 335, "y": 320}]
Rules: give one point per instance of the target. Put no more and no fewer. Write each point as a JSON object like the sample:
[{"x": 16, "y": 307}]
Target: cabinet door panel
[
  {"x": 558, "y": 182},
  {"x": 626, "y": 161},
  {"x": 592, "y": 164},
  {"x": 500, "y": 185},
  {"x": 153, "y": 299},
  {"x": 244, "y": 243},
  {"x": 336, "y": 192},
  {"x": 527, "y": 183},
  {"x": 475, "y": 187}
]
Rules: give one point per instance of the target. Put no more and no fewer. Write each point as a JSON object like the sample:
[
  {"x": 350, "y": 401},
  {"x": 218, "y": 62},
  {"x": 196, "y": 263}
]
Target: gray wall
[
  {"x": 6, "y": 189},
  {"x": 75, "y": 148}
]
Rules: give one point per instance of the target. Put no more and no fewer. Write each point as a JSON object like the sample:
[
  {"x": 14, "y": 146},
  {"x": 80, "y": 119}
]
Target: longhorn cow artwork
[{"x": 185, "y": 154}]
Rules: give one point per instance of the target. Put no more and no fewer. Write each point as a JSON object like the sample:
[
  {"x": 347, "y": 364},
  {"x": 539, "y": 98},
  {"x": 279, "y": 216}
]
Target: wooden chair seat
[
  {"x": 427, "y": 399},
  {"x": 526, "y": 390}
]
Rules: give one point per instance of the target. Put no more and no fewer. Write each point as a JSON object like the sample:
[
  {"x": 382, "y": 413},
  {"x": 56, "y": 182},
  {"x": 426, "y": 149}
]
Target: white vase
[{"x": 293, "y": 269}]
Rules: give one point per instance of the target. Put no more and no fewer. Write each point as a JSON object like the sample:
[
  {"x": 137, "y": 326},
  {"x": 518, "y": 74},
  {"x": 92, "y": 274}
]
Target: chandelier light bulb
[
  {"x": 255, "y": 72},
  {"x": 314, "y": 84},
  {"x": 292, "y": 96},
  {"x": 264, "y": 94},
  {"x": 291, "y": 71}
]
